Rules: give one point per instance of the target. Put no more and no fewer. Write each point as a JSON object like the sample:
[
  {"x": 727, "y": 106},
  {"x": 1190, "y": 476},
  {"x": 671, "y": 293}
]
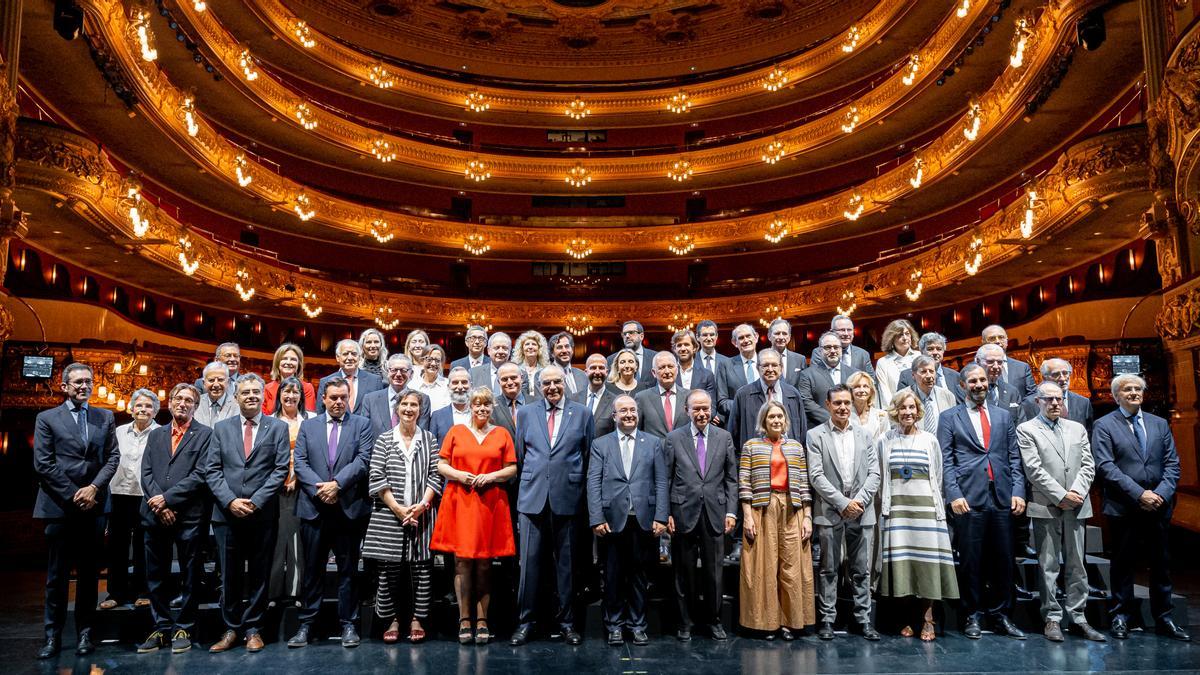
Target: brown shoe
[
  {"x": 254, "y": 643},
  {"x": 1053, "y": 631},
  {"x": 228, "y": 640}
]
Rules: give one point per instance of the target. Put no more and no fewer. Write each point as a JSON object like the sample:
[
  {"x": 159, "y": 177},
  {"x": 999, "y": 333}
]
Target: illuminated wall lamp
[
  {"x": 854, "y": 207},
  {"x": 241, "y": 167},
  {"x": 911, "y": 70},
  {"x": 382, "y": 230}
]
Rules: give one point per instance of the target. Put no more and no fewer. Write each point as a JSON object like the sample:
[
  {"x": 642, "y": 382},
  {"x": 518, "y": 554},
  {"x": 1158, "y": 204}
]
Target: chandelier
[
  {"x": 382, "y": 230},
  {"x": 963, "y": 8},
  {"x": 476, "y": 101},
  {"x": 187, "y": 111},
  {"x": 854, "y": 207},
  {"x": 145, "y": 36},
  {"x": 303, "y": 34},
  {"x": 776, "y": 79},
  {"x": 848, "y": 297},
  {"x": 851, "y": 119},
  {"x": 578, "y": 176},
  {"x": 131, "y": 189},
  {"x": 199, "y": 6},
  {"x": 679, "y": 103},
  {"x": 680, "y": 322},
  {"x": 385, "y": 319},
  {"x": 577, "y": 109},
  {"x": 189, "y": 264},
  {"x": 304, "y": 207},
  {"x": 918, "y": 172},
  {"x": 770, "y": 314},
  {"x": 681, "y": 244},
  {"x": 476, "y": 243},
  {"x": 1020, "y": 41},
  {"x": 914, "y": 292},
  {"x": 242, "y": 285},
  {"x": 241, "y": 168},
  {"x": 308, "y": 303},
  {"x": 579, "y": 248},
  {"x": 777, "y": 229},
  {"x": 578, "y": 325},
  {"x": 382, "y": 150},
  {"x": 852, "y": 37},
  {"x": 1029, "y": 217},
  {"x": 680, "y": 170},
  {"x": 381, "y": 78},
  {"x": 974, "y": 257},
  {"x": 910, "y": 70},
  {"x": 479, "y": 319},
  {"x": 477, "y": 170},
  {"x": 305, "y": 116},
  {"x": 246, "y": 61},
  {"x": 773, "y": 151},
  {"x": 973, "y": 119}
]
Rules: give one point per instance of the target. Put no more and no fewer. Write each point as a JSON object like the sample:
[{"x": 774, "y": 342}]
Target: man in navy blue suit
[
  {"x": 1139, "y": 470},
  {"x": 333, "y": 455},
  {"x": 459, "y": 411},
  {"x": 984, "y": 483},
  {"x": 362, "y": 382},
  {"x": 247, "y": 464},
  {"x": 379, "y": 406},
  {"x": 628, "y": 506},
  {"x": 554, "y": 436},
  {"x": 74, "y": 458},
  {"x": 175, "y": 512},
  {"x": 692, "y": 375}
]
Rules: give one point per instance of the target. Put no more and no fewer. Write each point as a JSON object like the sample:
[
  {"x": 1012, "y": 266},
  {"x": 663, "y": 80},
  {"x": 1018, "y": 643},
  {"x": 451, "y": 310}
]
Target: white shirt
[
  {"x": 973, "y": 413},
  {"x": 438, "y": 391},
  {"x": 742, "y": 361},
  {"x": 463, "y": 417},
  {"x": 558, "y": 420},
  {"x": 843, "y": 444},
  {"x": 685, "y": 376},
  {"x": 674, "y": 398},
  {"x": 131, "y": 443},
  {"x": 627, "y": 447},
  {"x": 257, "y": 420},
  {"x": 709, "y": 360}
]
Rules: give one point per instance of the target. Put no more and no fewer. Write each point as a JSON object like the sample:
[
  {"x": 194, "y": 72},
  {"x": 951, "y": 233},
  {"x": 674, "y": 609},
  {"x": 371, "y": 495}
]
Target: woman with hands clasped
[{"x": 476, "y": 460}]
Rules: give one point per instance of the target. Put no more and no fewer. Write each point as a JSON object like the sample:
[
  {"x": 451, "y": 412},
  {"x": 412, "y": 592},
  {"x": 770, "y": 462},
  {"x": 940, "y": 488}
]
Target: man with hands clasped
[{"x": 627, "y": 504}]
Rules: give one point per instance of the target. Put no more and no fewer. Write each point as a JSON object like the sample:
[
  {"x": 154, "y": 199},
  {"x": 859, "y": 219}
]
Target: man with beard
[
  {"x": 562, "y": 348},
  {"x": 459, "y": 410},
  {"x": 632, "y": 336},
  {"x": 691, "y": 374}
]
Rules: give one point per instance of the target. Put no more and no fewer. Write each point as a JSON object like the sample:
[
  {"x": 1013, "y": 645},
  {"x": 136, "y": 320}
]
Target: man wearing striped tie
[{"x": 934, "y": 399}]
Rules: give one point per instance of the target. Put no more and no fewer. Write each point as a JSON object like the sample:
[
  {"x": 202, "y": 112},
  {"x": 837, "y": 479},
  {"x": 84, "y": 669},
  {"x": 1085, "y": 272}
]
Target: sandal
[
  {"x": 928, "y": 632},
  {"x": 392, "y": 635},
  {"x": 464, "y": 632},
  {"x": 482, "y": 634},
  {"x": 417, "y": 634},
  {"x": 907, "y": 631}
]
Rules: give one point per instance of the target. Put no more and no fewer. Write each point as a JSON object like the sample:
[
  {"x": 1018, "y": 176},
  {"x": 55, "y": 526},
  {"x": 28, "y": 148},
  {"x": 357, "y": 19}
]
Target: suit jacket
[
  {"x": 612, "y": 495},
  {"x": 944, "y": 398},
  {"x": 718, "y": 359},
  {"x": 743, "y": 417},
  {"x": 711, "y": 491},
  {"x": 350, "y": 466},
  {"x": 1125, "y": 473},
  {"x": 796, "y": 363},
  {"x": 503, "y": 417},
  {"x": 1008, "y": 398},
  {"x": 815, "y": 383},
  {"x": 552, "y": 474},
  {"x": 860, "y": 359},
  {"x": 646, "y": 373},
  {"x": 465, "y": 362},
  {"x": 1079, "y": 409},
  {"x": 375, "y": 408},
  {"x": 179, "y": 478},
  {"x": 63, "y": 464},
  {"x": 731, "y": 376},
  {"x": 702, "y": 379},
  {"x": 367, "y": 383},
  {"x": 964, "y": 461},
  {"x": 949, "y": 381},
  {"x": 575, "y": 375},
  {"x": 602, "y": 420},
  {"x": 231, "y": 475},
  {"x": 442, "y": 421},
  {"x": 832, "y": 490},
  {"x": 652, "y": 418},
  {"x": 1056, "y": 465},
  {"x": 481, "y": 376},
  {"x": 1020, "y": 377}
]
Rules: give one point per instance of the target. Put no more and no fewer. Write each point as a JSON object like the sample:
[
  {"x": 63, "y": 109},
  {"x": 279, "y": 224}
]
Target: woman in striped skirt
[
  {"x": 918, "y": 562},
  {"x": 404, "y": 482}
]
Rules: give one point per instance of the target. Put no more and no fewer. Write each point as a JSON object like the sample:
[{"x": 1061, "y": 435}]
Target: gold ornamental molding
[
  {"x": 991, "y": 112},
  {"x": 63, "y": 164},
  {"x": 1177, "y": 113}
]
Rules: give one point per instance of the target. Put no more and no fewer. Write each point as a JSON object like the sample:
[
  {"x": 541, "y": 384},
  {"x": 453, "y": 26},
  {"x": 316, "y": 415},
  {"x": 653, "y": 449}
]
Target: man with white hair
[
  {"x": 1016, "y": 373},
  {"x": 1000, "y": 393},
  {"x": 499, "y": 349},
  {"x": 362, "y": 382},
  {"x": 1075, "y": 407},
  {"x": 854, "y": 358},
  {"x": 217, "y": 403}
]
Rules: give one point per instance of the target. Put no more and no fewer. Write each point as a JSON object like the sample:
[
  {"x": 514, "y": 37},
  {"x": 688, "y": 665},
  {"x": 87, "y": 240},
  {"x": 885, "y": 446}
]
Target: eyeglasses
[
  {"x": 474, "y": 338},
  {"x": 1051, "y": 399},
  {"x": 399, "y": 370},
  {"x": 631, "y": 332},
  {"x": 994, "y": 362},
  {"x": 79, "y": 384},
  {"x": 831, "y": 348}
]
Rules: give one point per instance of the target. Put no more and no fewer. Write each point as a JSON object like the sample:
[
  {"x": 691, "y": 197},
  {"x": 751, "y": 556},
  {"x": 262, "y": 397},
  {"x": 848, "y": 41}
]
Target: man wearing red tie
[{"x": 663, "y": 406}]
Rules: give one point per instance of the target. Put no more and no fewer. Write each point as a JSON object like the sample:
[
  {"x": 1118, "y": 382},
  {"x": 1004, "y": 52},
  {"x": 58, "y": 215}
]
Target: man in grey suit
[
  {"x": 934, "y": 398},
  {"x": 632, "y": 336},
  {"x": 216, "y": 402},
  {"x": 691, "y": 374},
  {"x": 74, "y": 458},
  {"x": 1016, "y": 373},
  {"x": 819, "y": 378},
  {"x": 665, "y": 396},
  {"x": 792, "y": 364},
  {"x": 628, "y": 508},
  {"x": 707, "y": 356},
  {"x": 1074, "y": 407},
  {"x": 380, "y": 406},
  {"x": 562, "y": 348},
  {"x": 597, "y": 397},
  {"x": 854, "y": 358},
  {"x": 511, "y": 398},
  {"x": 476, "y": 339},
  {"x": 702, "y": 469},
  {"x": 743, "y": 419},
  {"x": 247, "y": 463},
  {"x": 1059, "y": 466},
  {"x": 499, "y": 348},
  {"x": 362, "y": 382},
  {"x": 737, "y": 371},
  {"x": 844, "y": 473}
]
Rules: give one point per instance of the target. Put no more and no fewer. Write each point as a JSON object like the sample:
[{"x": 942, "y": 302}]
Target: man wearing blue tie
[
  {"x": 1139, "y": 470},
  {"x": 333, "y": 454}
]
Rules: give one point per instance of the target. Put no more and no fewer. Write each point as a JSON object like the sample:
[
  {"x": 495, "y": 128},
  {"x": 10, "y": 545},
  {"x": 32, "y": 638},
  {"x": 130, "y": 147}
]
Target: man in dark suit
[
  {"x": 74, "y": 458},
  {"x": 597, "y": 397},
  {"x": 1000, "y": 393},
  {"x": 1139, "y": 470},
  {"x": 737, "y": 371},
  {"x": 933, "y": 345},
  {"x": 791, "y": 363},
  {"x": 362, "y": 382},
  {"x": 666, "y": 395},
  {"x": 743, "y": 420},
  {"x": 230, "y": 354},
  {"x": 380, "y": 406},
  {"x": 175, "y": 511},
  {"x": 510, "y": 400},
  {"x": 476, "y": 339},
  {"x": 854, "y": 358},
  {"x": 562, "y": 349},
  {"x": 553, "y": 437},
  {"x": 1075, "y": 407},
  {"x": 984, "y": 482},
  {"x": 632, "y": 335},
  {"x": 333, "y": 455},
  {"x": 691, "y": 374},
  {"x": 628, "y": 507},
  {"x": 702, "y": 470},
  {"x": 819, "y": 378},
  {"x": 499, "y": 348},
  {"x": 247, "y": 463},
  {"x": 707, "y": 356},
  {"x": 1016, "y": 373},
  {"x": 459, "y": 410}
]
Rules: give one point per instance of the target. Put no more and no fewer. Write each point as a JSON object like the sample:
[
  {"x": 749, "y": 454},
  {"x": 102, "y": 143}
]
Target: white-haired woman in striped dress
[{"x": 918, "y": 562}]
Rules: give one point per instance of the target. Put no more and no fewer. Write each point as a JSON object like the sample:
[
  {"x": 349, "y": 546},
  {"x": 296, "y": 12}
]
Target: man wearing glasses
[
  {"x": 74, "y": 458},
  {"x": 632, "y": 335},
  {"x": 379, "y": 406},
  {"x": 476, "y": 340}
]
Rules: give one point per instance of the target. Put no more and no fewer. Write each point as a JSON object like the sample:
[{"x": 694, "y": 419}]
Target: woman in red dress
[{"x": 474, "y": 523}]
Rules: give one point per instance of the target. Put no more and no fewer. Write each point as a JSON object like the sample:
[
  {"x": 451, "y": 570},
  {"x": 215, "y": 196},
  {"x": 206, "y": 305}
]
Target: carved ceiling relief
[
  {"x": 670, "y": 28},
  {"x": 579, "y": 32},
  {"x": 482, "y": 28}
]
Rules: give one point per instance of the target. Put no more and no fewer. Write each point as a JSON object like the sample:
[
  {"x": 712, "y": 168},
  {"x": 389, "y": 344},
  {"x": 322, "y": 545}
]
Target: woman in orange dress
[{"x": 474, "y": 523}]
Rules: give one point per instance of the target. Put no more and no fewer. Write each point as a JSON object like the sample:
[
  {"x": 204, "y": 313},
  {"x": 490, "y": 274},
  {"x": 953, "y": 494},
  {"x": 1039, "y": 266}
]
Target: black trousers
[
  {"x": 686, "y": 548},
  {"x": 627, "y": 555},
  {"x": 75, "y": 541},
  {"x": 546, "y": 536},
  {"x": 983, "y": 538},
  {"x": 1135, "y": 537},
  {"x": 125, "y": 546},
  {"x": 244, "y": 549},
  {"x": 332, "y": 530},
  {"x": 187, "y": 539}
]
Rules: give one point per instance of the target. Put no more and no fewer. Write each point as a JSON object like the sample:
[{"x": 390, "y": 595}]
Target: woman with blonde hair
[
  {"x": 415, "y": 345},
  {"x": 288, "y": 362},
  {"x": 531, "y": 353},
  {"x": 373, "y": 348},
  {"x": 899, "y": 344},
  {"x": 623, "y": 379},
  {"x": 866, "y": 412}
]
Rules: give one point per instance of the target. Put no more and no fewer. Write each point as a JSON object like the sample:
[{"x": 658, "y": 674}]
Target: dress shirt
[
  {"x": 843, "y": 443},
  {"x": 627, "y": 453},
  {"x": 472, "y": 361},
  {"x": 558, "y": 419},
  {"x": 438, "y": 391},
  {"x": 783, "y": 365},
  {"x": 75, "y": 413},
  {"x": 257, "y": 420},
  {"x": 973, "y": 413},
  {"x": 685, "y": 376},
  {"x": 131, "y": 443},
  {"x": 752, "y": 373},
  {"x": 461, "y": 417},
  {"x": 674, "y": 398},
  {"x": 929, "y": 405},
  {"x": 638, "y": 354},
  {"x": 709, "y": 360},
  {"x": 593, "y": 403},
  {"x": 835, "y": 374},
  {"x": 413, "y": 490}
]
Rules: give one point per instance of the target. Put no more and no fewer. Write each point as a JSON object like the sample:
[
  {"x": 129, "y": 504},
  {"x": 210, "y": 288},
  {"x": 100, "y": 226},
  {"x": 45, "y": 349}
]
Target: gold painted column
[{"x": 12, "y": 220}]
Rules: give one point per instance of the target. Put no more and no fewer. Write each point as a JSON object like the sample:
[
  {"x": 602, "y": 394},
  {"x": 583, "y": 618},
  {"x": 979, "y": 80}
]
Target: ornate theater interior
[{"x": 175, "y": 174}]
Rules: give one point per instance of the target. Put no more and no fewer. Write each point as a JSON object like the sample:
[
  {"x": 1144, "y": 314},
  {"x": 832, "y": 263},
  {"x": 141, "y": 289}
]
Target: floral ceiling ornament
[{"x": 486, "y": 27}]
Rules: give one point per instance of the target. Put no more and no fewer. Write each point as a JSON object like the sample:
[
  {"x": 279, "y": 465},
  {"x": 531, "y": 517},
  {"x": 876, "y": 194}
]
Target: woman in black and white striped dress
[{"x": 404, "y": 482}]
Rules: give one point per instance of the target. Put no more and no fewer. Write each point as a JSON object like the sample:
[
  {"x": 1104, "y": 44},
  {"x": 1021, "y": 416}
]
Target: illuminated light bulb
[
  {"x": 577, "y": 109},
  {"x": 579, "y": 248},
  {"x": 777, "y": 229},
  {"x": 199, "y": 5},
  {"x": 851, "y": 119},
  {"x": 854, "y": 207},
  {"x": 1020, "y": 42},
  {"x": 241, "y": 167},
  {"x": 963, "y": 8},
  {"x": 382, "y": 230},
  {"x": 478, "y": 319},
  {"x": 973, "y": 119},
  {"x": 242, "y": 285},
  {"x": 911, "y": 70},
  {"x": 309, "y": 304},
  {"x": 852, "y": 38},
  {"x": 185, "y": 250},
  {"x": 770, "y": 314},
  {"x": 477, "y": 170},
  {"x": 382, "y": 150},
  {"x": 578, "y": 325},
  {"x": 578, "y": 176},
  {"x": 145, "y": 35},
  {"x": 304, "y": 207},
  {"x": 848, "y": 297},
  {"x": 306, "y": 117},
  {"x": 246, "y": 62},
  {"x": 776, "y": 79},
  {"x": 913, "y": 293},
  {"x": 679, "y": 103},
  {"x": 385, "y": 319},
  {"x": 680, "y": 170},
  {"x": 188, "y": 108},
  {"x": 918, "y": 172},
  {"x": 476, "y": 101},
  {"x": 974, "y": 257},
  {"x": 303, "y": 34},
  {"x": 1027, "y": 221},
  {"x": 680, "y": 322},
  {"x": 381, "y": 78},
  {"x": 133, "y": 197},
  {"x": 681, "y": 244},
  {"x": 773, "y": 151},
  {"x": 476, "y": 243}
]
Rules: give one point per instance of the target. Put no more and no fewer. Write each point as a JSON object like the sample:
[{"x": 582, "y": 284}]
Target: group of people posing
[{"x": 902, "y": 479}]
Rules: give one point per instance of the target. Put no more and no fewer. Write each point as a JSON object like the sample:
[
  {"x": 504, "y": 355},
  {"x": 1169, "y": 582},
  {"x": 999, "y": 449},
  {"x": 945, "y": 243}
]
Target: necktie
[
  {"x": 701, "y": 451},
  {"x": 512, "y": 406},
  {"x": 392, "y": 406},
  {"x": 81, "y": 420},
  {"x": 550, "y": 424},
  {"x": 1139, "y": 434},
  {"x": 592, "y": 401},
  {"x": 176, "y": 436},
  {"x": 248, "y": 437},
  {"x": 751, "y": 376},
  {"x": 627, "y": 454},
  {"x": 708, "y": 363},
  {"x": 1064, "y": 410},
  {"x": 995, "y": 394},
  {"x": 930, "y": 420},
  {"x": 667, "y": 409},
  {"x": 333, "y": 441},
  {"x": 986, "y": 426},
  {"x": 770, "y": 393},
  {"x": 353, "y": 389}
]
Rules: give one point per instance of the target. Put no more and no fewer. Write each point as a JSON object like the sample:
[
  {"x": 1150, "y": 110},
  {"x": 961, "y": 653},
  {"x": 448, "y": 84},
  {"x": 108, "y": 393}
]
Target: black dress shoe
[
  {"x": 683, "y": 634},
  {"x": 615, "y": 638},
  {"x": 300, "y": 639},
  {"x": 50, "y": 649},
  {"x": 1168, "y": 628},
  {"x": 825, "y": 630},
  {"x": 350, "y": 637},
  {"x": 1119, "y": 629},
  {"x": 1005, "y": 626},
  {"x": 1024, "y": 594},
  {"x": 787, "y": 634},
  {"x": 572, "y": 637},
  {"x": 869, "y": 632},
  {"x": 520, "y": 636},
  {"x": 85, "y": 645},
  {"x": 718, "y": 632},
  {"x": 972, "y": 629},
  {"x": 640, "y": 638}
]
